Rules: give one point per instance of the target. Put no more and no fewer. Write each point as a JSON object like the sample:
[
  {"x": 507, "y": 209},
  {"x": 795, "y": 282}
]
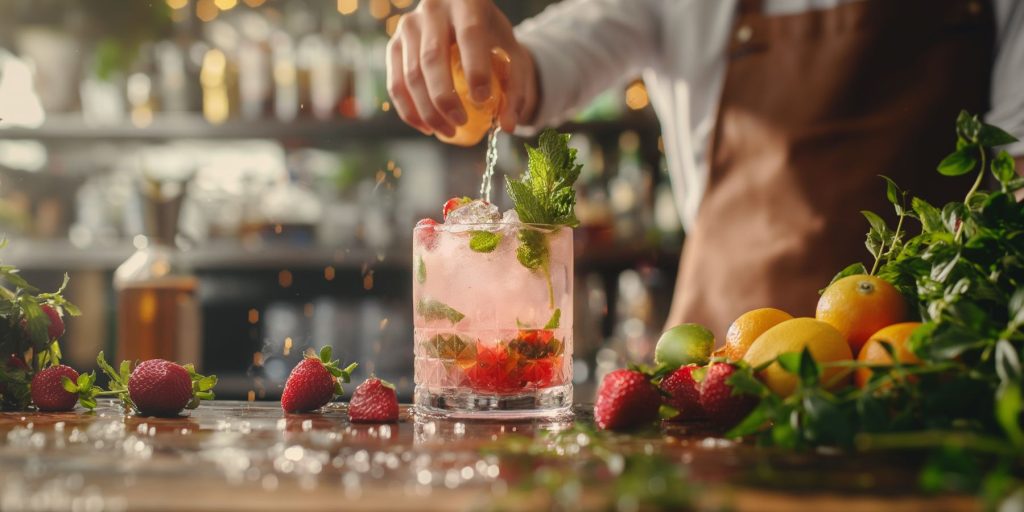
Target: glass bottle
[{"x": 158, "y": 314}]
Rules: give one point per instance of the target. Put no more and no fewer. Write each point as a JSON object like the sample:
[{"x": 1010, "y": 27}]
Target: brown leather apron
[{"x": 813, "y": 108}]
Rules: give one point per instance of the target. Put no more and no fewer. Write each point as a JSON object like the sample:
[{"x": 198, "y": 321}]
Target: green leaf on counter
[
  {"x": 484, "y": 241},
  {"x": 431, "y": 309}
]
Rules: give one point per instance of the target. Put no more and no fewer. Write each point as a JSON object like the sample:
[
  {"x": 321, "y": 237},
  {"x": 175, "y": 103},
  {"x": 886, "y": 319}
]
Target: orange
[
  {"x": 747, "y": 328},
  {"x": 859, "y": 305},
  {"x": 873, "y": 352},
  {"x": 479, "y": 117},
  {"x": 821, "y": 339}
]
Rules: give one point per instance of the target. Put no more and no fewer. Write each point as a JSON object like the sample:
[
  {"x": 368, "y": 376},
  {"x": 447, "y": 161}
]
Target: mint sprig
[
  {"x": 544, "y": 194},
  {"x": 431, "y": 309}
]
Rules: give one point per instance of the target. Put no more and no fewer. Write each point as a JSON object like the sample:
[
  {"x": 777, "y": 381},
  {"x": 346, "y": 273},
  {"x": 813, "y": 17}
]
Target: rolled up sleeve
[
  {"x": 582, "y": 47},
  {"x": 1007, "y": 110}
]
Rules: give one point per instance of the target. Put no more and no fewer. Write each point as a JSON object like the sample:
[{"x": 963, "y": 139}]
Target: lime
[{"x": 684, "y": 344}]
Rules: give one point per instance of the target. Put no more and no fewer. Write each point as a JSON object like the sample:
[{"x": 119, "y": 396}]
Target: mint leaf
[
  {"x": 959, "y": 162},
  {"x": 421, "y": 270},
  {"x": 484, "y": 241},
  {"x": 431, "y": 309},
  {"x": 532, "y": 252},
  {"x": 544, "y": 195},
  {"x": 556, "y": 318}
]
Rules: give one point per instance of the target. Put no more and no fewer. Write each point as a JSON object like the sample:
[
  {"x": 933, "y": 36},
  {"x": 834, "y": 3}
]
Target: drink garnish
[
  {"x": 544, "y": 194},
  {"x": 421, "y": 270},
  {"x": 555, "y": 319},
  {"x": 484, "y": 241},
  {"x": 431, "y": 309}
]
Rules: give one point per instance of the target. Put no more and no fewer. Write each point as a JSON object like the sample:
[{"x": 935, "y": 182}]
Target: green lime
[{"x": 684, "y": 344}]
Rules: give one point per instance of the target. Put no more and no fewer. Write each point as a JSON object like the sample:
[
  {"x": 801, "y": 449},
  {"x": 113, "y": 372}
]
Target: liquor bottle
[{"x": 158, "y": 313}]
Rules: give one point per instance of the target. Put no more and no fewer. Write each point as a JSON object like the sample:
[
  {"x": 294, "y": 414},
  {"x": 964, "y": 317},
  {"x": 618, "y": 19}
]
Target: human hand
[{"x": 419, "y": 72}]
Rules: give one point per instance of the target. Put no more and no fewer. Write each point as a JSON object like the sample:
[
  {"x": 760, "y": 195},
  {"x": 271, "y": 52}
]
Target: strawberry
[
  {"x": 495, "y": 369},
  {"x": 453, "y": 204},
  {"x": 374, "y": 401},
  {"x": 717, "y": 398},
  {"x": 314, "y": 382},
  {"x": 48, "y": 391},
  {"x": 426, "y": 233},
  {"x": 157, "y": 387},
  {"x": 14, "y": 362},
  {"x": 683, "y": 393},
  {"x": 626, "y": 399},
  {"x": 56, "y": 327},
  {"x": 160, "y": 388}
]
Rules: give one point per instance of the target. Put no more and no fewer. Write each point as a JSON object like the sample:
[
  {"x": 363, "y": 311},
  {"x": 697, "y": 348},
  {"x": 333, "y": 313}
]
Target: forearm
[{"x": 581, "y": 48}]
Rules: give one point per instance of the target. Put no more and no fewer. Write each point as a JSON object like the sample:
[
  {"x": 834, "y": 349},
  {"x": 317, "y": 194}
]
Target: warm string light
[
  {"x": 347, "y": 7},
  {"x": 636, "y": 96},
  {"x": 380, "y": 9},
  {"x": 225, "y": 5},
  {"x": 391, "y": 24},
  {"x": 206, "y": 10},
  {"x": 254, "y": 3},
  {"x": 177, "y": 4}
]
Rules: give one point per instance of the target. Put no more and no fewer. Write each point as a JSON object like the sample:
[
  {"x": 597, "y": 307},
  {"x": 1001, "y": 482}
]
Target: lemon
[{"x": 824, "y": 341}]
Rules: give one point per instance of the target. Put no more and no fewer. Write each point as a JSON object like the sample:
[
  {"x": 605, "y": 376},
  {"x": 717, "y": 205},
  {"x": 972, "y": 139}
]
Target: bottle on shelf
[{"x": 158, "y": 314}]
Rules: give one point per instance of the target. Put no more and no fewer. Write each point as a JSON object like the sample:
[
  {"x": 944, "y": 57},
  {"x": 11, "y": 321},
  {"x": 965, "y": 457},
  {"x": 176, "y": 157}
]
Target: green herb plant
[
  {"x": 962, "y": 270},
  {"x": 25, "y": 344}
]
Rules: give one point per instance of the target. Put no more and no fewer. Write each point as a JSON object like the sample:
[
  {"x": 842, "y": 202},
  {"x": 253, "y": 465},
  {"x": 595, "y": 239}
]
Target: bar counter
[{"x": 251, "y": 456}]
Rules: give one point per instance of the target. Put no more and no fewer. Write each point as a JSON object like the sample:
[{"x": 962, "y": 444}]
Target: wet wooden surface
[{"x": 252, "y": 456}]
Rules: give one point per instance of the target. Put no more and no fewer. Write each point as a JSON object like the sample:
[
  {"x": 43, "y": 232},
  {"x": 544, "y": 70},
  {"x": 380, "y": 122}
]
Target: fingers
[
  {"x": 397, "y": 89},
  {"x": 474, "y": 37},
  {"x": 416, "y": 83},
  {"x": 435, "y": 60}
]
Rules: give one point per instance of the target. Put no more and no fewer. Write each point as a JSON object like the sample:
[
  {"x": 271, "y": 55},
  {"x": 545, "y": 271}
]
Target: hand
[{"x": 419, "y": 70}]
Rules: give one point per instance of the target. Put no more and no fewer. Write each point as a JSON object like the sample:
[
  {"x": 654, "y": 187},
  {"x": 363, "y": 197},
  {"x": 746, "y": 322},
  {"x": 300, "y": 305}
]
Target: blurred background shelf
[{"x": 73, "y": 128}]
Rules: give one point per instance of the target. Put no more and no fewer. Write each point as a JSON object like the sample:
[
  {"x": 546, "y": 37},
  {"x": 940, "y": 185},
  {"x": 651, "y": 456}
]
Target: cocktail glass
[{"x": 493, "y": 319}]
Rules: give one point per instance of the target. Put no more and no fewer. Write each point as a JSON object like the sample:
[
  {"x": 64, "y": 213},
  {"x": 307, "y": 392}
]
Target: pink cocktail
[{"x": 493, "y": 318}]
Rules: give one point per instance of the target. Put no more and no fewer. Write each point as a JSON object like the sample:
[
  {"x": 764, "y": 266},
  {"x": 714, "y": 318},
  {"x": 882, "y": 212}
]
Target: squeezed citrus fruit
[
  {"x": 859, "y": 305},
  {"x": 825, "y": 343},
  {"x": 479, "y": 117},
  {"x": 898, "y": 336},
  {"x": 747, "y": 328}
]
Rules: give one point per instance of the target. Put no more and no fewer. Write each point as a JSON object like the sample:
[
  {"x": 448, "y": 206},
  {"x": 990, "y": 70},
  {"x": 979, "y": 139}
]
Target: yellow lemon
[
  {"x": 825, "y": 343},
  {"x": 747, "y": 328}
]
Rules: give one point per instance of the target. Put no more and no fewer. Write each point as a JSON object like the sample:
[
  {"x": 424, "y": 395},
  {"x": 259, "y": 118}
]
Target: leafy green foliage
[
  {"x": 544, "y": 194},
  {"x": 555, "y": 319},
  {"x": 24, "y": 333},
  {"x": 421, "y": 270},
  {"x": 962, "y": 269},
  {"x": 532, "y": 252},
  {"x": 85, "y": 388},
  {"x": 341, "y": 375},
  {"x": 484, "y": 241}
]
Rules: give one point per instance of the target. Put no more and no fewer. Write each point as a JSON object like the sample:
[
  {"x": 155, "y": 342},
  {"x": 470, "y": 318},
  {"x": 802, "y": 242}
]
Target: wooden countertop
[{"x": 252, "y": 456}]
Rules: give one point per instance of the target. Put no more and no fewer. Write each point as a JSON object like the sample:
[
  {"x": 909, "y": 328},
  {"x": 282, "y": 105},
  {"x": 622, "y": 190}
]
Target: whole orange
[
  {"x": 898, "y": 336},
  {"x": 859, "y": 305},
  {"x": 747, "y": 328}
]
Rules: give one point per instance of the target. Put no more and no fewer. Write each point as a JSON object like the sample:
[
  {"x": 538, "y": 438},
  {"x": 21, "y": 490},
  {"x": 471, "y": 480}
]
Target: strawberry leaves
[
  {"x": 202, "y": 385},
  {"x": 341, "y": 375},
  {"x": 85, "y": 388}
]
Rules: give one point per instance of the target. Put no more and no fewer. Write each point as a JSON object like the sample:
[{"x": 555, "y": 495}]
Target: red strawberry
[
  {"x": 454, "y": 203},
  {"x": 314, "y": 382},
  {"x": 683, "y": 393},
  {"x": 374, "y": 401},
  {"x": 426, "y": 233},
  {"x": 56, "y": 327},
  {"x": 14, "y": 362},
  {"x": 48, "y": 391},
  {"x": 160, "y": 388},
  {"x": 716, "y": 397},
  {"x": 626, "y": 399},
  {"x": 495, "y": 369}
]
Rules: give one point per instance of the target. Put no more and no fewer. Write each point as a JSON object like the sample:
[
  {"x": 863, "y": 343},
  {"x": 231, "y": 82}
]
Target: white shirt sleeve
[
  {"x": 1007, "y": 109},
  {"x": 582, "y": 47}
]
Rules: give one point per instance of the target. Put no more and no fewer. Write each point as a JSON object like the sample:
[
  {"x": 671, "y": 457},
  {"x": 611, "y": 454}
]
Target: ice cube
[
  {"x": 510, "y": 217},
  {"x": 474, "y": 212}
]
